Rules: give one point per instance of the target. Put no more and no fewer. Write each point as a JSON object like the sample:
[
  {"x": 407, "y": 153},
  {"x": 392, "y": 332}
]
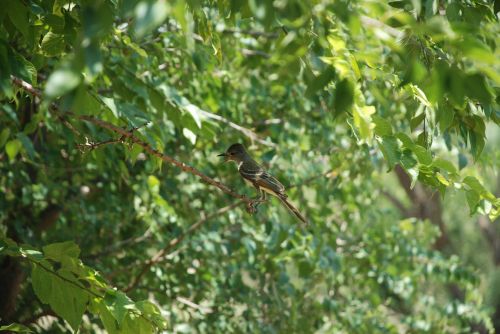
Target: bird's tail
[{"x": 293, "y": 209}]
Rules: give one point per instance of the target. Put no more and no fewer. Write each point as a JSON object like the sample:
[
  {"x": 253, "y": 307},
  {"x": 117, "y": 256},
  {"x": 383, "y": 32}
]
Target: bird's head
[{"x": 235, "y": 152}]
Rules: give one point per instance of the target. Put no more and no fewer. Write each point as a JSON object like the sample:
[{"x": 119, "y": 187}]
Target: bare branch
[
  {"x": 397, "y": 203},
  {"x": 247, "y": 132},
  {"x": 168, "y": 159},
  {"x": 250, "y": 53},
  {"x": 252, "y": 33}
]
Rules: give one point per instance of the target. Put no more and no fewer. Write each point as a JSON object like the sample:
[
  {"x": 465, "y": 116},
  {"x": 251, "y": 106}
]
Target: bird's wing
[
  {"x": 260, "y": 177},
  {"x": 268, "y": 181},
  {"x": 251, "y": 171}
]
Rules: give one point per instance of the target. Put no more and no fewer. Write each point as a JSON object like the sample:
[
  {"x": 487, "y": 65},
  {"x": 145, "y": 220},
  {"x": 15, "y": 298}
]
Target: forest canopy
[{"x": 379, "y": 117}]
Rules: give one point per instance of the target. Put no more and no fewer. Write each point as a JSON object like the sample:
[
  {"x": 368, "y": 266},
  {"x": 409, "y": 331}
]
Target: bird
[{"x": 258, "y": 177}]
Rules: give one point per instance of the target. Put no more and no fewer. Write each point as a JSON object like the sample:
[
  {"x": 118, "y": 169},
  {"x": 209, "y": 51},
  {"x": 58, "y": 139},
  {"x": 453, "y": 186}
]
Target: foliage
[{"x": 330, "y": 95}]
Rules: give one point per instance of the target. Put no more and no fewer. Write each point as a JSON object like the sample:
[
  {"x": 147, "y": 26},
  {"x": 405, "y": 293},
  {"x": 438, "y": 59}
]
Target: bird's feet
[{"x": 253, "y": 204}]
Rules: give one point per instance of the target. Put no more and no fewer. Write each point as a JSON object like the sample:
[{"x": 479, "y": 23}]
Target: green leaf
[
  {"x": 390, "y": 149},
  {"x": 423, "y": 156},
  {"x": 343, "y": 96},
  {"x": 27, "y": 144},
  {"x": 475, "y": 185},
  {"x": 405, "y": 140},
  {"x": 445, "y": 165},
  {"x": 445, "y": 116},
  {"x": 12, "y": 148},
  {"x": 61, "y": 251},
  {"x": 152, "y": 312},
  {"x": 109, "y": 322},
  {"x": 477, "y": 88},
  {"x": 319, "y": 82},
  {"x": 149, "y": 15},
  {"x": 85, "y": 103},
  {"x": 382, "y": 126},
  {"x": 363, "y": 121},
  {"x": 407, "y": 159},
  {"x": 415, "y": 121},
  {"x": 472, "y": 200},
  {"x": 68, "y": 300},
  {"x": 134, "y": 323},
  {"x": 17, "y": 328},
  {"x": 118, "y": 305},
  {"x": 18, "y": 15},
  {"x": 4, "y": 135},
  {"x": 61, "y": 82},
  {"x": 53, "y": 44}
]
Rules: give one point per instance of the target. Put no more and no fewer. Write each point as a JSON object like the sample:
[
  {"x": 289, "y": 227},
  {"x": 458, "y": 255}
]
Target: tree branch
[
  {"x": 252, "y": 33},
  {"x": 396, "y": 202},
  {"x": 132, "y": 137},
  {"x": 247, "y": 132}
]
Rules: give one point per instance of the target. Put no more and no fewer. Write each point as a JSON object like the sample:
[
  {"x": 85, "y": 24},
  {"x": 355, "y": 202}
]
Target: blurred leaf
[
  {"x": 17, "y": 328},
  {"x": 18, "y": 15},
  {"x": 343, "y": 96},
  {"x": 477, "y": 88},
  {"x": 12, "y": 148},
  {"x": 390, "y": 149},
  {"x": 61, "y": 82},
  {"x": 53, "y": 44},
  {"x": 320, "y": 81},
  {"x": 149, "y": 14},
  {"x": 382, "y": 126},
  {"x": 4, "y": 135}
]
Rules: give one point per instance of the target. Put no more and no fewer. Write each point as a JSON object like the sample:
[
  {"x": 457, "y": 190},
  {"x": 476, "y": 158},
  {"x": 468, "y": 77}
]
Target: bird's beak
[{"x": 224, "y": 156}]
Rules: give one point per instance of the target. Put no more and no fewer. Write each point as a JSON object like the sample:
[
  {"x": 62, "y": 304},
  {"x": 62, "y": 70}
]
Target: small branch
[
  {"x": 329, "y": 174},
  {"x": 396, "y": 202},
  {"x": 168, "y": 159},
  {"x": 93, "y": 145},
  {"x": 250, "y": 53},
  {"x": 247, "y": 132},
  {"x": 252, "y": 33},
  {"x": 373, "y": 23},
  {"x": 174, "y": 242},
  {"x": 189, "y": 303}
]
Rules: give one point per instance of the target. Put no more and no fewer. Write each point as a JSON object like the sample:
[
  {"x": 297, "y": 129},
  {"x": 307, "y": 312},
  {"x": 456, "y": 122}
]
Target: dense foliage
[{"x": 380, "y": 117}]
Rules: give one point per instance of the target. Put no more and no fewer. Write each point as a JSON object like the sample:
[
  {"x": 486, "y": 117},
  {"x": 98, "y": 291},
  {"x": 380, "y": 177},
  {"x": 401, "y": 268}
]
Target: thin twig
[
  {"x": 168, "y": 159},
  {"x": 247, "y": 132},
  {"x": 250, "y": 53},
  {"x": 252, "y": 33},
  {"x": 397, "y": 203}
]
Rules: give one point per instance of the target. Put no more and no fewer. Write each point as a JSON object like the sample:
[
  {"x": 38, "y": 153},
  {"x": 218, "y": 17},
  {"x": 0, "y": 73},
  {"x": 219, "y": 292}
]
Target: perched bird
[{"x": 255, "y": 175}]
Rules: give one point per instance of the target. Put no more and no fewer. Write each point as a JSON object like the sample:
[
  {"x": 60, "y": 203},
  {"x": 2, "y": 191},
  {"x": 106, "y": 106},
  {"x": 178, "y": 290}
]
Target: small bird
[{"x": 255, "y": 175}]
